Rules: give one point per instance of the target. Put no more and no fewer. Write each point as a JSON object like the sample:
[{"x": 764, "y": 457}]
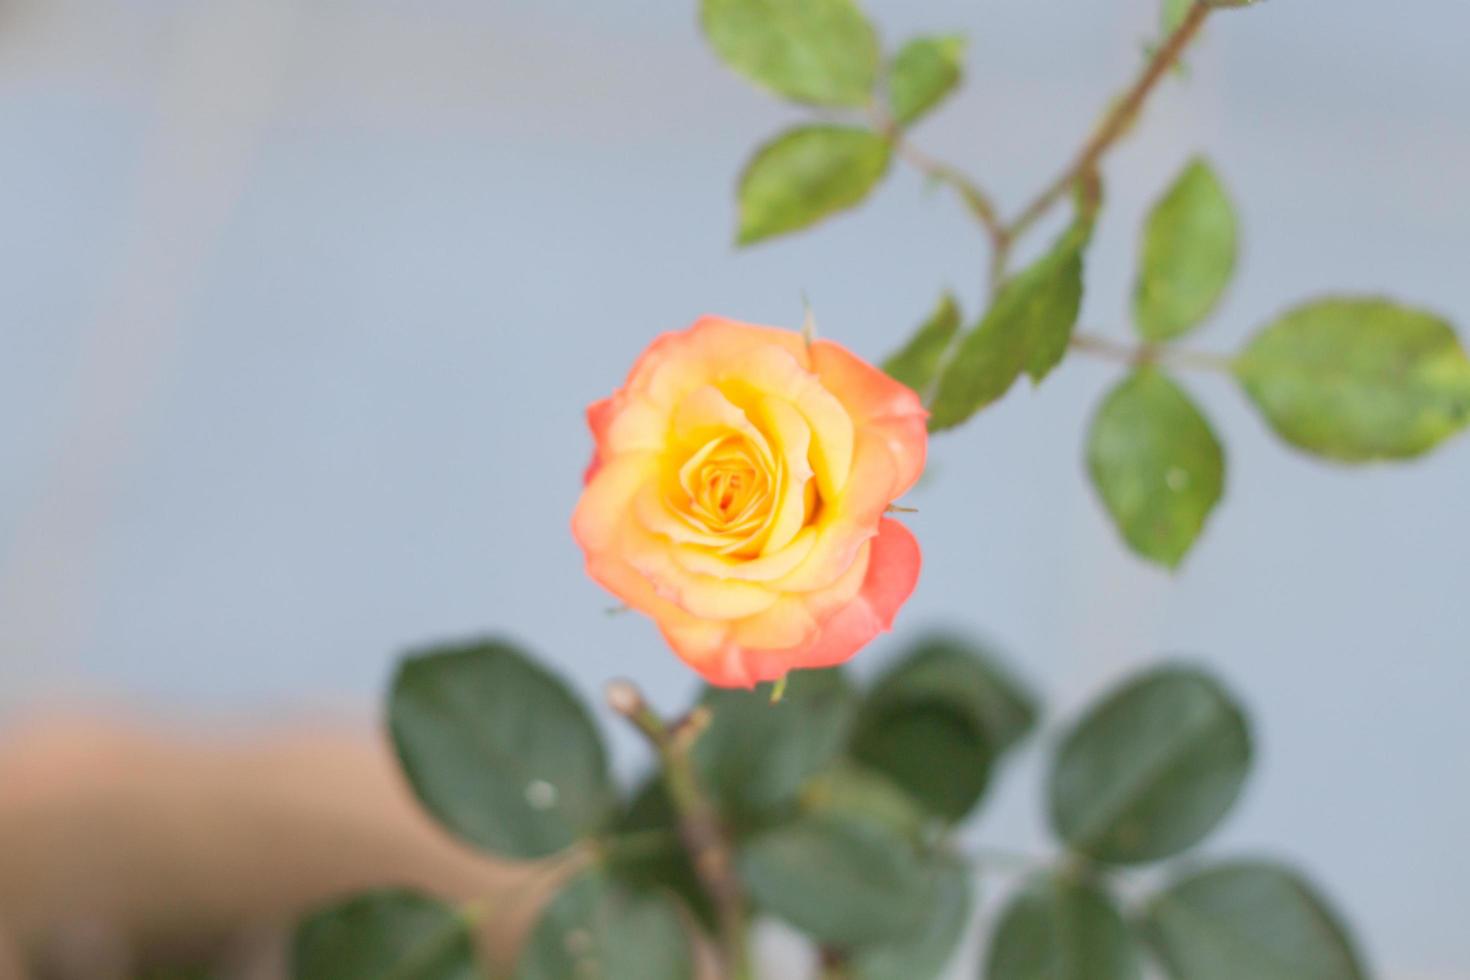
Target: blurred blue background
[{"x": 303, "y": 300}]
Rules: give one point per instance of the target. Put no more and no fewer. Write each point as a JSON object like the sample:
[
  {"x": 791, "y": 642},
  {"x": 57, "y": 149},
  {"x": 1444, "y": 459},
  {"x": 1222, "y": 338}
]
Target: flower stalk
[{"x": 700, "y": 827}]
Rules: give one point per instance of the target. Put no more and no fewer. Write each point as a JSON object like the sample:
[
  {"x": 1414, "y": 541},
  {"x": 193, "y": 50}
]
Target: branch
[
  {"x": 1117, "y": 121},
  {"x": 699, "y": 822},
  {"x": 1169, "y": 355},
  {"x": 979, "y": 203}
]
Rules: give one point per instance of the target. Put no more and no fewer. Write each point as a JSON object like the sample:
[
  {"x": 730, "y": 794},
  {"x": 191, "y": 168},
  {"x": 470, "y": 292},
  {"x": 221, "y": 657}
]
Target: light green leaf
[
  {"x": 1156, "y": 464},
  {"x": 1249, "y": 919},
  {"x": 923, "y": 72},
  {"x": 1187, "y": 256},
  {"x": 755, "y": 755},
  {"x": 1027, "y": 328},
  {"x": 384, "y": 935},
  {"x": 924, "y": 956},
  {"x": 824, "y": 52},
  {"x": 1359, "y": 379},
  {"x": 966, "y": 676},
  {"x": 807, "y": 174},
  {"x": 1061, "y": 928},
  {"x": 843, "y": 883},
  {"x": 1151, "y": 769},
  {"x": 498, "y": 749},
  {"x": 917, "y": 364},
  {"x": 596, "y": 927}
]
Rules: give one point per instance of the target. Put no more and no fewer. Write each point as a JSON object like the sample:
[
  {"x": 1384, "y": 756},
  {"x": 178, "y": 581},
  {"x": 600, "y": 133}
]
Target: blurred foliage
[
  {"x": 385, "y": 934},
  {"x": 854, "y": 846}
]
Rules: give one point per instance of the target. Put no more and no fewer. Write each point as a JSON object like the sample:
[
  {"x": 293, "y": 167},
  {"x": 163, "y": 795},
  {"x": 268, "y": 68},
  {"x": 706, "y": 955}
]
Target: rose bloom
[{"x": 737, "y": 495}]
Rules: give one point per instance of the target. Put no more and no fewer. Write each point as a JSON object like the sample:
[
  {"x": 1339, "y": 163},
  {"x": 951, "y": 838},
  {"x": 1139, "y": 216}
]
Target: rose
[{"x": 737, "y": 495}]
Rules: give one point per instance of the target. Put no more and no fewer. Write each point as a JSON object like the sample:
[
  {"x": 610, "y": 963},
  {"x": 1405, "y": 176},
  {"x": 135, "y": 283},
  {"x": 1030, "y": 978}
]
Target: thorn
[
  {"x": 808, "y": 322},
  {"x": 896, "y": 509},
  {"x": 779, "y": 689},
  {"x": 617, "y": 610}
]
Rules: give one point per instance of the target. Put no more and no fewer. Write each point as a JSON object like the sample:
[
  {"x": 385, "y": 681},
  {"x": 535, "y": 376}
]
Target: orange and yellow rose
[{"x": 737, "y": 495}]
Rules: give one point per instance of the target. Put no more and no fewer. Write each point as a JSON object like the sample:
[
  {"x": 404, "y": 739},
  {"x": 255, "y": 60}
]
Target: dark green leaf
[
  {"x": 933, "y": 751},
  {"x": 661, "y": 865},
  {"x": 1358, "y": 379},
  {"x": 843, "y": 883},
  {"x": 853, "y": 792},
  {"x": 1151, "y": 769},
  {"x": 918, "y": 363},
  {"x": 1026, "y": 329},
  {"x": 384, "y": 935},
  {"x": 1156, "y": 464},
  {"x": 819, "y": 51},
  {"x": 1249, "y": 919},
  {"x": 596, "y": 927},
  {"x": 923, "y": 957},
  {"x": 1187, "y": 256},
  {"x": 922, "y": 73},
  {"x": 1060, "y": 928},
  {"x": 965, "y": 676},
  {"x": 498, "y": 749},
  {"x": 807, "y": 174},
  {"x": 755, "y": 755}
]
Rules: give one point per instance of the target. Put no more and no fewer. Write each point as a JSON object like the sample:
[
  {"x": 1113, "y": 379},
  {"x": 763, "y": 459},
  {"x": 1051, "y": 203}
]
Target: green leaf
[
  {"x": 917, "y": 364},
  {"x": 853, "y": 792},
  {"x": 1249, "y": 919},
  {"x": 1061, "y": 928},
  {"x": 1359, "y": 379},
  {"x": 966, "y": 676},
  {"x": 923, "y": 72},
  {"x": 666, "y": 865},
  {"x": 1187, "y": 256},
  {"x": 806, "y": 174},
  {"x": 1027, "y": 328},
  {"x": 932, "y": 750},
  {"x": 843, "y": 883},
  {"x": 597, "y": 927},
  {"x": 924, "y": 956},
  {"x": 1151, "y": 769},
  {"x": 755, "y": 755},
  {"x": 937, "y": 721},
  {"x": 498, "y": 749},
  {"x": 384, "y": 935},
  {"x": 822, "y": 52},
  {"x": 1156, "y": 464}
]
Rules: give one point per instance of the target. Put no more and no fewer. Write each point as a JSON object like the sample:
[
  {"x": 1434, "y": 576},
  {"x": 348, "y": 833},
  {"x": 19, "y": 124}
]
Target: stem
[
  {"x": 832, "y": 964},
  {"x": 1169, "y": 355},
  {"x": 700, "y": 827},
  {"x": 979, "y": 203},
  {"x": 1116, "y": 122}
]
